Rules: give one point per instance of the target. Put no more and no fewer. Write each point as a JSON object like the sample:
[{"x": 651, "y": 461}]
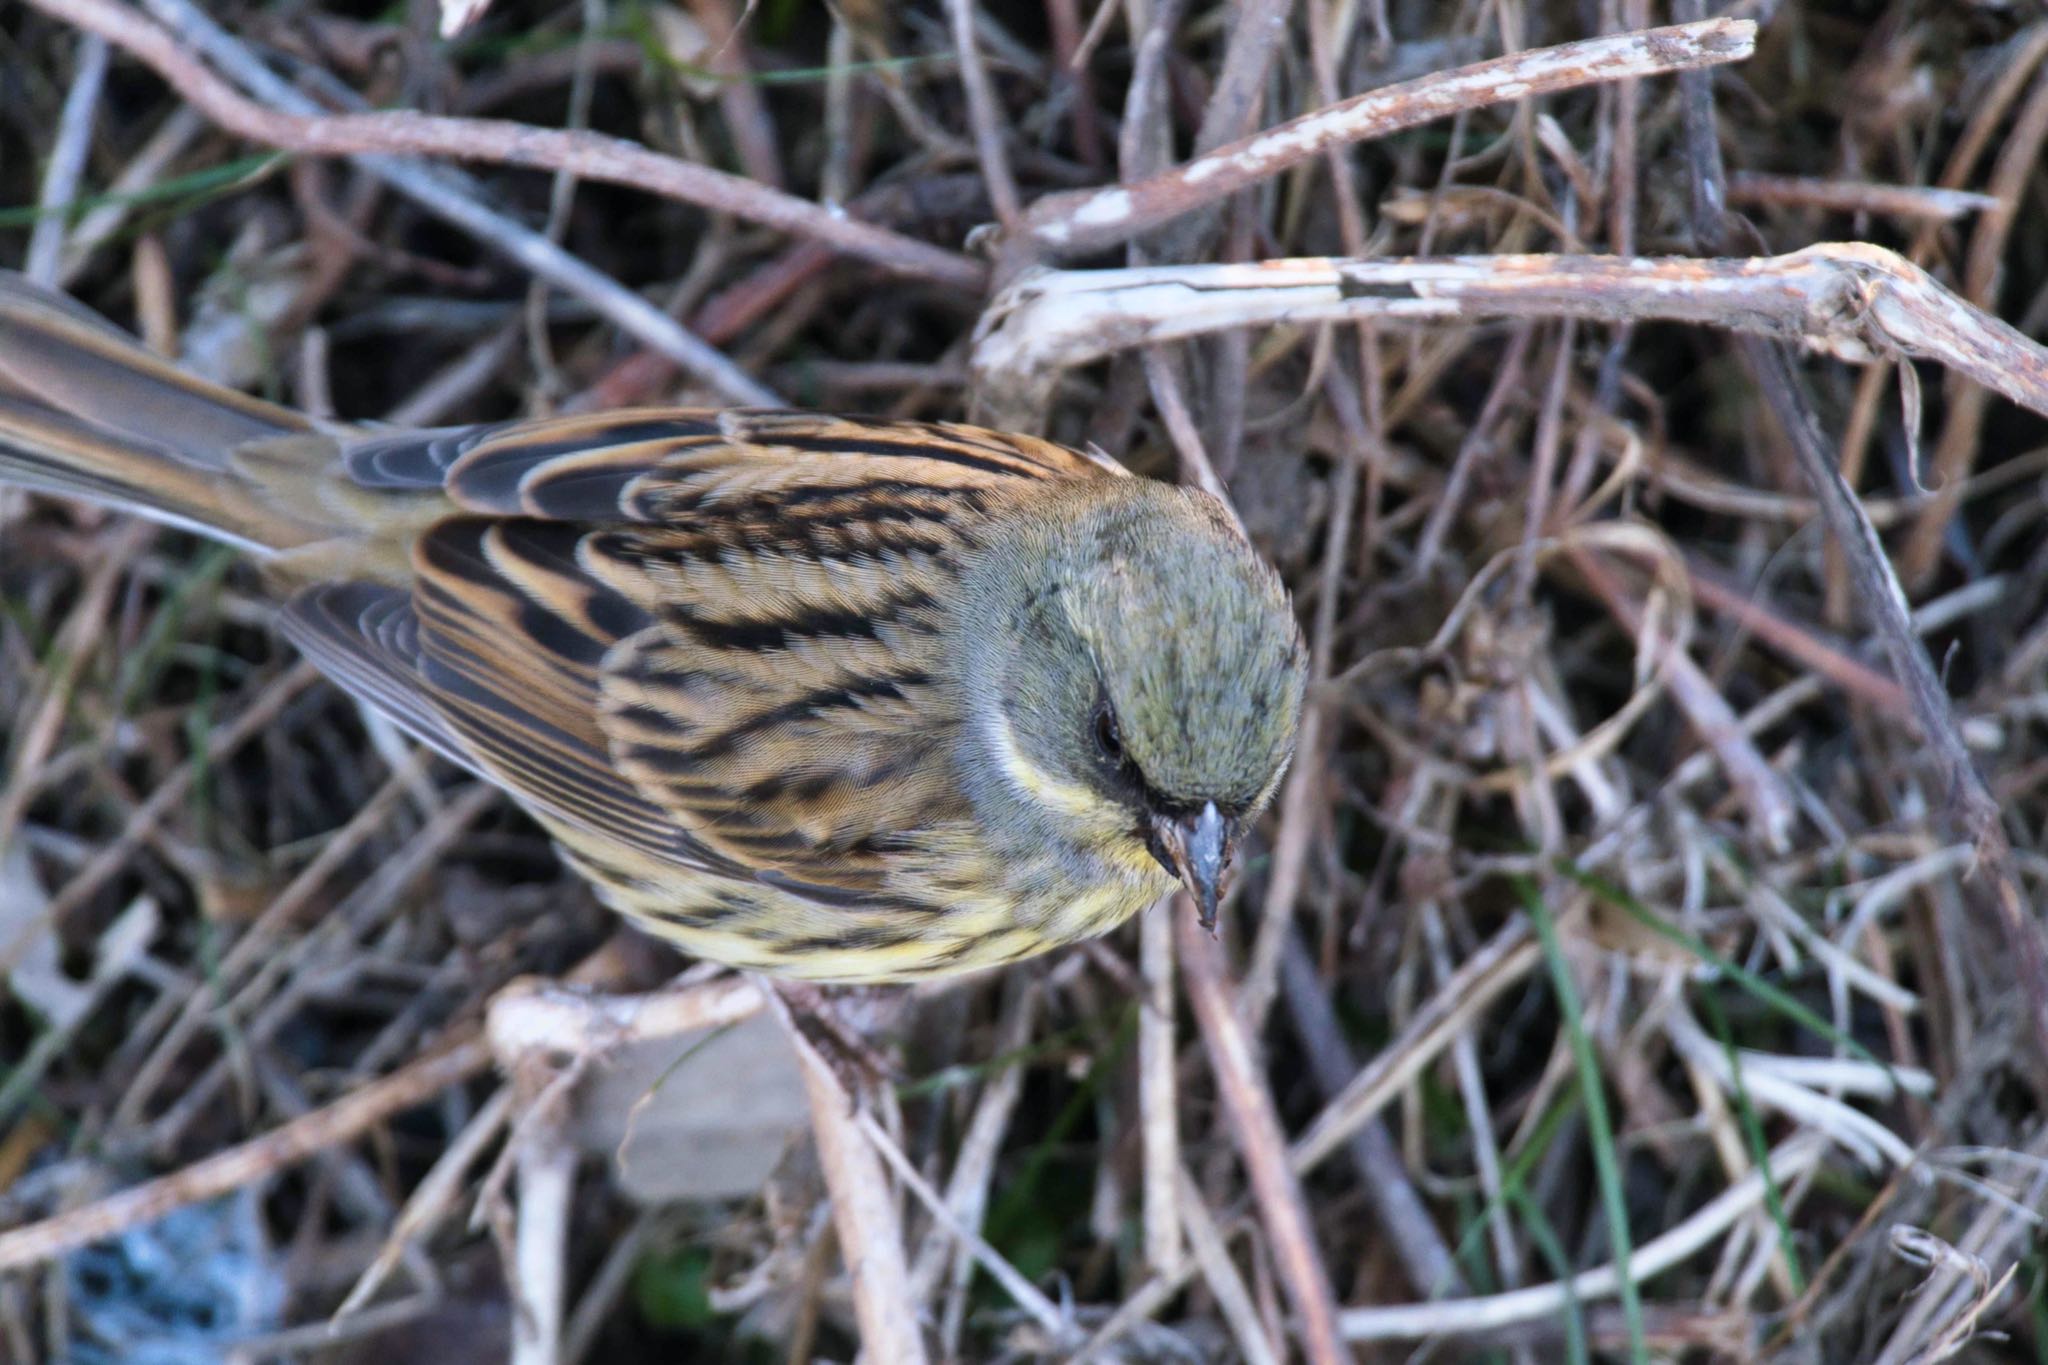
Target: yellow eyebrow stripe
[
  {"x": 1108, "y": 823},
  {"x": 1033, "y": 781}
]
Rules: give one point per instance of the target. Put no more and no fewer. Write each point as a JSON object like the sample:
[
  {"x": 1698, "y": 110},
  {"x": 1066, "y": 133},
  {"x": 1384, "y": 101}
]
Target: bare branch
[
  {"x": 1654, "y": 1257},
  {"x": 1090, "y": 220},
  {"x": 343, "y": 1121},
  {"x": 1849, "y": 299},
  {"x": 591, "y": 156},
  {"x": 863, "y": 1207},
  {"x": 1249, "y": 1105}
]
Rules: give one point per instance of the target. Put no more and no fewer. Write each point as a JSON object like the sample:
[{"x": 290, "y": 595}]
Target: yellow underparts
[{"x": 991, "y": 914}]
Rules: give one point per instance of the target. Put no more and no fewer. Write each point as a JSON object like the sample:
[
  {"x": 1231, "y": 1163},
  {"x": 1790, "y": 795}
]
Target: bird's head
[{"x": 1138, "y": 676}]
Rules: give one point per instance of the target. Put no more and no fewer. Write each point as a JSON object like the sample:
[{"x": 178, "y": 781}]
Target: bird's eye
[{"x": 1108, "y": 738}]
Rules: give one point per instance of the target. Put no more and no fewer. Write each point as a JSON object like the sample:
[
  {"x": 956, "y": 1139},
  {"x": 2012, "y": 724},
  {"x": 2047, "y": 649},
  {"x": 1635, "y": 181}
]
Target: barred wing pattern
[
  {"x": 721, "y": 655},
  {"x": 709, "y": 640}
]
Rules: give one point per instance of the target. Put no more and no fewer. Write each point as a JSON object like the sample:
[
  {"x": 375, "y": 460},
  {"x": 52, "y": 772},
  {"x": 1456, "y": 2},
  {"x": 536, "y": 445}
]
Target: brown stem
[
  {"x": 1090, "y": 220},
  {"x": 245, "y": 1164},
  {"x": 590, "y": 156},
  {"x": 1241, "y": 1081}
]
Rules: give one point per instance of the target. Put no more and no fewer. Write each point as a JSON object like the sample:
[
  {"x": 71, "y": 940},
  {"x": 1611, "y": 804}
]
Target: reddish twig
[
  {"x": 1241, "y": 1082},
  {"x": 591, "y": 156},
  {"x": 1798, "y": 644},
  {"x": 1090, "y": 220}
]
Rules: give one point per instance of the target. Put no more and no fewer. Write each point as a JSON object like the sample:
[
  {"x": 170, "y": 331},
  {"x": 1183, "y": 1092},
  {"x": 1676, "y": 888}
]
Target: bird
[{"x": 831, "y": 699}]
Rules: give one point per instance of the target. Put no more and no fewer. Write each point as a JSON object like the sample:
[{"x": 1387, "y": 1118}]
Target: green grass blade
[
  {"x": 2037, "y": 1307},
  {"x": 1545, "y": 1237},
  {"x": 214, "y": 180},
  {"x": 1749, "y": 981},
  {"x": 1599, "y": 1127},
  {"x": 1753, "y": 1138}
]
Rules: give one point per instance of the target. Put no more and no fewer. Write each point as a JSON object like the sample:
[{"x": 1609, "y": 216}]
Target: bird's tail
[{"x": 86, "y": 412}]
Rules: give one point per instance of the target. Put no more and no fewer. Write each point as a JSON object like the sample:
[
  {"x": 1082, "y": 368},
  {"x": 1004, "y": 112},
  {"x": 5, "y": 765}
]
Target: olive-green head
[{"x": 1140, "y": 671}]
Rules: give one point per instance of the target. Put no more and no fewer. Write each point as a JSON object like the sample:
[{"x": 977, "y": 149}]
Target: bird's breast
[{"x": 973, "y": 908}]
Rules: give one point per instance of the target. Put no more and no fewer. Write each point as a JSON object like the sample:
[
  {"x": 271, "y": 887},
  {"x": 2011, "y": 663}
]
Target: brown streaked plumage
[{"x": 830, "y": 698}]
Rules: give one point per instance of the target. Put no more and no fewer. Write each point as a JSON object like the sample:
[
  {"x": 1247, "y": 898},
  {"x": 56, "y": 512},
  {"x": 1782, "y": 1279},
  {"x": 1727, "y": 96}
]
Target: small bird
[{"x": 826, "y": 698}]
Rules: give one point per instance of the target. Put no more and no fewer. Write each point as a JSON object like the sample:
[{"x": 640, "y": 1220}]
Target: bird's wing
[
  {"x": 492, "y": 658},
  {"x": 712, "y": 636}
]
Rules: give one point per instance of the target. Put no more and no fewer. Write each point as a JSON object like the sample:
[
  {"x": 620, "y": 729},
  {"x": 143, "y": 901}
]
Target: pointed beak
[{"x": 1200, "y": 849}]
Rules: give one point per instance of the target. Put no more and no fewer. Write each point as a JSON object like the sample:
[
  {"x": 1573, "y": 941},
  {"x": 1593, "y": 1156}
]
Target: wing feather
[
  {"x": 716, "y": 637},
  {"x": 512, "y": 642},
  {"x": 366, "y": 637}
]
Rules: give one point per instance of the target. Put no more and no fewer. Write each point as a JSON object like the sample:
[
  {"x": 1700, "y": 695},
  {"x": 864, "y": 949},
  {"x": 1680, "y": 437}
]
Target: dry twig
[
  {"x": 1248, "y": 1104},
  {"x": 1851, "y": 300},
  {"x": 343, "y": 1121},
  {"x": 1093, "y": 219}
]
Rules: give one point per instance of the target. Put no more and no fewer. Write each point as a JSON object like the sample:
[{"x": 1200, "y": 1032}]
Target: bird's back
[{"x": 709, "y": 649}]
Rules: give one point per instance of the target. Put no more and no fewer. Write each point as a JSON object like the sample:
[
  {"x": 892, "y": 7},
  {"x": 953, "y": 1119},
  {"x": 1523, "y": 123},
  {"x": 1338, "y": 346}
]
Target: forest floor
[{"x": 1643, "y": 959}]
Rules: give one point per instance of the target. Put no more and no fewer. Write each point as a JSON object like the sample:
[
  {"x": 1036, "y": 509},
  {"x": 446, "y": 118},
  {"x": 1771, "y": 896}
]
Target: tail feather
[{"x": 87, "y": 412}]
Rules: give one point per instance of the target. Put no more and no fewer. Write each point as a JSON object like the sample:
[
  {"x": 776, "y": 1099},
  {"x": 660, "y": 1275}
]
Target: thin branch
[
  {"x": 547, "y": 1186},
  {"x": 542, "y": 1017},
  {"x": 1919, "y": 319},
  {"x": 1770, "y": 803},
  {"x": 67, "y": 161},
  {"x": 438, "y": 189},
  {"x": 1999, "y": 1233},
  {"x": 1256, "y": 28},
  {"x": 1961, "y": 442},
  {"x": 863, "y": 1208},
  {"x": 985, "y": 116},
  {"x": 1654, "y": 1257},
  {"x": 1159, "y": 1088},
  {"x": 1255, "y": 33},
  {"x": 975, "y": 1163},
  {"x": 1170, "y": 397},
  {"x": 747, "y": 119},
  {"x": 343, "y": 1121},
  {"x": 1021, "y": 1291},
  {"x": 1403, "y": 1216},
  {"x": 1921, "y": 203},
  {"x": 1248, "y": 1104},
  {"x": 141, "y": 822},
  {"x": 1852, "y": 300},
  {"x": 1091, "y": 220},
  {"x": 177, "y": 132},
  {"x": 1971, "y": 809},
  {"x": 1233, "y": 1300},
  {"x": 432, "y": 1199},
  {"x": 1501, "y": 962},
  {"x": 591, "y": 156}
]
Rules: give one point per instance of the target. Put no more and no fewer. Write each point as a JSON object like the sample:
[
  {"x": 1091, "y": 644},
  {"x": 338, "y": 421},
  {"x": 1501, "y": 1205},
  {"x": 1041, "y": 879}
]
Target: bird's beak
[{"x": 1200, "y": 848}]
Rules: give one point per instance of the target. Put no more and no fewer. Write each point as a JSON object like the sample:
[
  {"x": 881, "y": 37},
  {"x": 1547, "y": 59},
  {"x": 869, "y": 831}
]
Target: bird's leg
[{"x": 839, "y": 1023}]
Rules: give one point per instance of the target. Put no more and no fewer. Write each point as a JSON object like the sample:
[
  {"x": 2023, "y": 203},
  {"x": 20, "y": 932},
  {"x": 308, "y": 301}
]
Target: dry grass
[{"x": 1644, "y": 959}]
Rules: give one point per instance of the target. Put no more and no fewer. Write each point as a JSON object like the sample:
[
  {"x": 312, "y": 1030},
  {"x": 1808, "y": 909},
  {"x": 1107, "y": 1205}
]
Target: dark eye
[{"x": 1107, "y": 737}]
